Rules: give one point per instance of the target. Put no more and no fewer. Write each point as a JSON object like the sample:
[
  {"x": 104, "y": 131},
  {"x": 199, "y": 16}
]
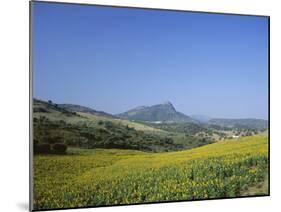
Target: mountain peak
[
  {"x": 164, "y": 112},
  {"x": 167, "y": 103}
]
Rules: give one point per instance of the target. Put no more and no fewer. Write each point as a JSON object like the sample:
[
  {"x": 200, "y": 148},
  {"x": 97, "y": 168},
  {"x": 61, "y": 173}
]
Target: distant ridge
[
  {"x": 164, "y": 112},
  {"x": 248, "y": 123},
  {"x": 71, "y": 108},
  {"x": 201, "y": 118}
]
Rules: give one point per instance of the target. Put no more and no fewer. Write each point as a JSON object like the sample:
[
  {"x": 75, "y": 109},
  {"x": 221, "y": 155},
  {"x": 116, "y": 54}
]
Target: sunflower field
[{"x": 100, "y": 177}]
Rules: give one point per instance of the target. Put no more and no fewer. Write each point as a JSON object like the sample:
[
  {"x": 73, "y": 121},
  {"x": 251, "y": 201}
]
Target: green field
[{"x": 95, "y": 177}]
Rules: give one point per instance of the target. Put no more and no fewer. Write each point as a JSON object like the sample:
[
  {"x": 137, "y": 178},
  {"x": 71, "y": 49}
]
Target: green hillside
[
  {"x": 105, "y": 177},
  {"x": 53, "y": 124}
]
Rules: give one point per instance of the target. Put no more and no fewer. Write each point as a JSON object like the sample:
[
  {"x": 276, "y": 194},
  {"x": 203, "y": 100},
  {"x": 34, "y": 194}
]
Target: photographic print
[{"x": 137, "y": 105}]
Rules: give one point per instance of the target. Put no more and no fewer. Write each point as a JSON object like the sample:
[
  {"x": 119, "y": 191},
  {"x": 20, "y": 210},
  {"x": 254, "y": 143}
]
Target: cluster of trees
[
  {"x": 46, "y": 142},
  {"x": 46, "y": 148}
]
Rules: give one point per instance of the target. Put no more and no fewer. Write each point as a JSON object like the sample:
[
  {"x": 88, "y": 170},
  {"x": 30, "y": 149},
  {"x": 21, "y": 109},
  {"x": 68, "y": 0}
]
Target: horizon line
[{"x": 164, "y": 102}]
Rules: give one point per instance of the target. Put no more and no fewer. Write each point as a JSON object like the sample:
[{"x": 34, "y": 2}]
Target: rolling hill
[
  {"x": 76, "y": 114},
  {"x": 79, "y": 108},
  {"x": 56, "y": 124}
]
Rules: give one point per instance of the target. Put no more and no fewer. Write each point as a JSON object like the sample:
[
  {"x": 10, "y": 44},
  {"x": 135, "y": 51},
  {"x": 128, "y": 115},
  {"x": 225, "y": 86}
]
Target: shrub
[
  {"x": 59, "y": 148},
  {"x": 42, "y": 149}
]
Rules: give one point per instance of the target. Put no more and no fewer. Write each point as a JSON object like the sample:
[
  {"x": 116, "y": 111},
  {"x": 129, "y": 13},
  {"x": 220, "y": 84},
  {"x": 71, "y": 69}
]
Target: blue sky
[{"x": 114, "y": 59}]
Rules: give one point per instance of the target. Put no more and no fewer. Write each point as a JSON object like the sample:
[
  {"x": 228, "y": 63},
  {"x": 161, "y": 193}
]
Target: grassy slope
[
  {"x": 56, "y": 115},
  {"x": 136, "y": 126},
  {"x": 104, "y": 177}
]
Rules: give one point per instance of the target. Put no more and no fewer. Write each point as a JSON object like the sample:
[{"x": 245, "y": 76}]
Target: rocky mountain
[{"x": 165, "y": 112}]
